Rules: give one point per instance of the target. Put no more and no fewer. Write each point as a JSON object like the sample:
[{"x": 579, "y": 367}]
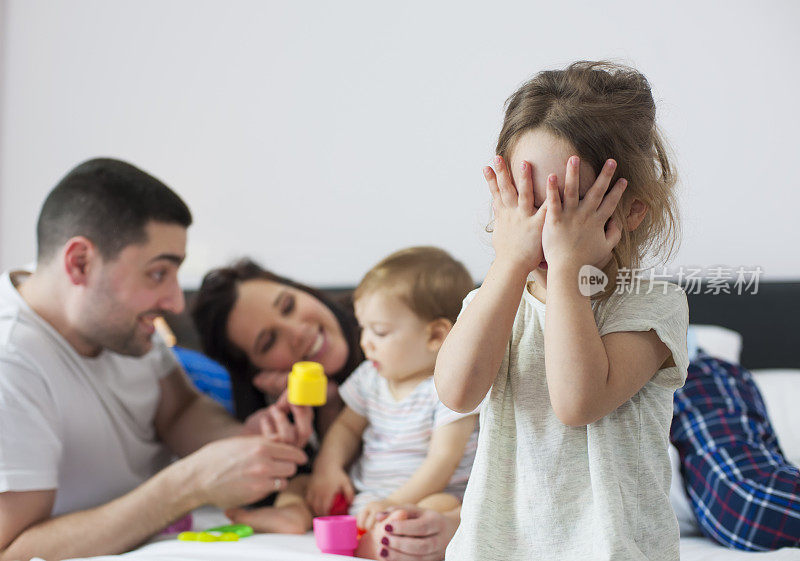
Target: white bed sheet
[{"x": 283, "y": 547}]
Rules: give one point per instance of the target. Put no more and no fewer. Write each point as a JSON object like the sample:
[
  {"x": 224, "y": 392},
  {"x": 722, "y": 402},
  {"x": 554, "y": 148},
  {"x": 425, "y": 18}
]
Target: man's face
[{"x": 124, "y": 296}]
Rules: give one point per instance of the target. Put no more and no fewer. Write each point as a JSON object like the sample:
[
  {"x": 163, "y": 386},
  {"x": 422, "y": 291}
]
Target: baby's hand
[
  {"x": 517, "y": 236},
  {"x": 367, "y": 516},
  {"x": 575, "y": 232},
  {"x": 323, "y": 487}
]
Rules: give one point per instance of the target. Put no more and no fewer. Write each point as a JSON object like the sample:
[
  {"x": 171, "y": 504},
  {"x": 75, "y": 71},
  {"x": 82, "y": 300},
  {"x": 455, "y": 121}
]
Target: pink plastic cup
[{"x": 336, "y": 534}]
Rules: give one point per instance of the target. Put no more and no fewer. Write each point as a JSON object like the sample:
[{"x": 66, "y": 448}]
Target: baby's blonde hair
[
  {"x": 427, "y": 279},
  {"x": 606, "y": 110}
]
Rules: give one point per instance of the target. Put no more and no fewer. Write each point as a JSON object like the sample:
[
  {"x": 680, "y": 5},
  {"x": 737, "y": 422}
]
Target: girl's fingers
[
  {"x": 553, "y": 196},
  {"x": 505, "y": 184},
  {"x": 525, "y": 188},
  {"x": 611, "y": 200},
  {"x": 572, "y": 183},
  {"x": 491, "y": 180},
  {"x": 541, "y": 214},
  {"x": 598, "y": 190}
]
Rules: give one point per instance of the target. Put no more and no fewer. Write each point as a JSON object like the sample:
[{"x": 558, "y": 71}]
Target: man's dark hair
[{"x": 109, "y": 202}]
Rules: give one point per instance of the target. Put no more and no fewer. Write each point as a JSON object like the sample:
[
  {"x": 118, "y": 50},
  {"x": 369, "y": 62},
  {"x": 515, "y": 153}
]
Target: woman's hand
[
  {"x": 271, "y": 383},
  {"x": 517, "y": 236},
  {"x": 273, "y": 422},
  {"x": 323, "y": 487},
  {"x": 409, "y": 533},
  {"x": 578, "y": 232}
]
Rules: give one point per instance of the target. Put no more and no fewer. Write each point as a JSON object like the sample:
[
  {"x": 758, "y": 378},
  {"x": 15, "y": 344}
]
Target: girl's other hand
[
  {"x": 517, "y": 236},
  {"x": 323, "y": 487},
  {"x": 579, "y": 232}
]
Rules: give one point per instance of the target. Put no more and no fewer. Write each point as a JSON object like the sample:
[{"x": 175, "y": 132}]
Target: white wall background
[{"x": 319, "y": 136}]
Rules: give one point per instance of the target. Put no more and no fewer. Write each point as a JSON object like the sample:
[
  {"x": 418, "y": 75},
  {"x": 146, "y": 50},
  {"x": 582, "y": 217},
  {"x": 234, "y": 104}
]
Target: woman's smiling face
[{"x": 277, "y": 325}]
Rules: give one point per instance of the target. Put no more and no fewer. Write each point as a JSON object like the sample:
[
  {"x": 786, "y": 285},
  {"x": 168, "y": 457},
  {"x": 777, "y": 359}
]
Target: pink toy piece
[
  {"x": 336, "y": 534},
  {"x": 181, "y": 525}
]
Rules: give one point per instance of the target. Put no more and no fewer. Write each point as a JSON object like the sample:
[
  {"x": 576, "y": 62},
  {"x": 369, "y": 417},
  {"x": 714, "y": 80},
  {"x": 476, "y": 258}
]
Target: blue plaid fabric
[{"x": 744, "y": 493}]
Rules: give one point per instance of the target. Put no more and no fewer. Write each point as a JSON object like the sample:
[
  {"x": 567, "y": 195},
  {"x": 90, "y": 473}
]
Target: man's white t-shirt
[
  {"x": 540, "y": 489},
  {"x": 80, "y": 425}
]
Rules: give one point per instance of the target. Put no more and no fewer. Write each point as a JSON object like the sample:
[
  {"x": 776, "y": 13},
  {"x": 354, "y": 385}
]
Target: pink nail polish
[
  {"x": 384, "y": 552},
  {"x": 388, "y": 528},
  {"x": 497, "y": 160},
  {"x": 523, "y": 166},
  {"x": 574, "y": 161}
]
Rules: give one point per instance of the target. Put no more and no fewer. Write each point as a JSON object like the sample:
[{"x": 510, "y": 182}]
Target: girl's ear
[
  {"x": 437, "y": 332},
  {"x": 636, "y": 213}
]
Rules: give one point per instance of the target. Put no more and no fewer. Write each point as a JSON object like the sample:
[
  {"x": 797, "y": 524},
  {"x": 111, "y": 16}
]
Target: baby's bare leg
[
  {"x": 440, "y": 502},
  {"x": 290, "y": 515}
]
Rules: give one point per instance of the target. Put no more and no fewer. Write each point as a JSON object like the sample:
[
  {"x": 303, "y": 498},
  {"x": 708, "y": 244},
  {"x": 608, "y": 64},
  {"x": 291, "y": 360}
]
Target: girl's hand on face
[
  {"x": 517, "y": 236},
  {"x": 575, "y": 232}
]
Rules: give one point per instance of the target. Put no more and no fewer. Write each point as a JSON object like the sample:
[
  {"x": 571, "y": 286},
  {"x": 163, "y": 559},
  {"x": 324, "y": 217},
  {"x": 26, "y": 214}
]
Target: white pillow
[
  {"x": 679, "y": 499},
  {"x": 781, "y": 392},
  {"x": 716, "y": 341}
]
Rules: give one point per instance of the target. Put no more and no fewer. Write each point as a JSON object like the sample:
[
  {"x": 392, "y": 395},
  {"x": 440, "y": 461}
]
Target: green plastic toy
[{"x": 230, "y": 533}]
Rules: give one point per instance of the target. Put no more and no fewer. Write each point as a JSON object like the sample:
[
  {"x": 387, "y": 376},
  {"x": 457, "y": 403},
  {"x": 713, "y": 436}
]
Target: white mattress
[{"x": 282, "y": 547}]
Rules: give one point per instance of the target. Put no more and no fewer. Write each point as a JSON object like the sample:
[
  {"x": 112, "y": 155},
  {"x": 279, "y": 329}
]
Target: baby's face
[{"x": 394, "y": 338}]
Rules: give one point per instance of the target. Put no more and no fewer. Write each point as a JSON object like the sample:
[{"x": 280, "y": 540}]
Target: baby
[{"x": 413, "y": 449}]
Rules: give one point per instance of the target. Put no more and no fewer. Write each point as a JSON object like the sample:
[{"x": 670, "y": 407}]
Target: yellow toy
[{"x": 307, "y": 384}]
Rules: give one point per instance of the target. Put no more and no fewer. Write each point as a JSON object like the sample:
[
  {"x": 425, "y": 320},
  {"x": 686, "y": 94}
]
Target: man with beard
[{"x": 92, "y": 406}]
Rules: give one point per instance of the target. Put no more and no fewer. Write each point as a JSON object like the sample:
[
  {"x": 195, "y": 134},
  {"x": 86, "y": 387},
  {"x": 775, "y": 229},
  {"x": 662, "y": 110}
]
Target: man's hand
[{"x": 241, "y": 470}]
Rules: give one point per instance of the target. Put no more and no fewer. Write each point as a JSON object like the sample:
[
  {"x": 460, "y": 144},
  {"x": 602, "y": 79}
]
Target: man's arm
[
  {"x": 27, "y": 530},
  {"x": 226, "y": 473},
  {"x": 186, "y": 419}
]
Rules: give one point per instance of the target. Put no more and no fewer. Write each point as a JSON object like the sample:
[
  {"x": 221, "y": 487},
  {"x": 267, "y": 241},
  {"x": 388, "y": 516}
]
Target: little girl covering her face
[
  {"x": 572, "y": 460},
  {"x": 408, "y": 447}
]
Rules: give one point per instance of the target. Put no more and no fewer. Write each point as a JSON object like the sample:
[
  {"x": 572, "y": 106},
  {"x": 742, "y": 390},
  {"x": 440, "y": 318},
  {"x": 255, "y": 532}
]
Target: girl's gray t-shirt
[{"x": 540, "y": 489}]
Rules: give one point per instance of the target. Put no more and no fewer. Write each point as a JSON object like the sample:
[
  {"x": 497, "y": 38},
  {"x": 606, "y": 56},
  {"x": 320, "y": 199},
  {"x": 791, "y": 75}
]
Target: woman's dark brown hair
[{"x": 215, "y": 300}]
